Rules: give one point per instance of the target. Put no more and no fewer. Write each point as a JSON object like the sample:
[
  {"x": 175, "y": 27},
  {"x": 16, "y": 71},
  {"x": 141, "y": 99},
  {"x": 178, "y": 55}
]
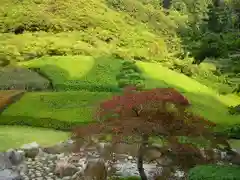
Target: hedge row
[{"x": 40, "y": 122}]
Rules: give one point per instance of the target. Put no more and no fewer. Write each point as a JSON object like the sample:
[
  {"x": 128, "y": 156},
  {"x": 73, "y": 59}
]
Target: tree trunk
[{"x": 140, "y": 157}]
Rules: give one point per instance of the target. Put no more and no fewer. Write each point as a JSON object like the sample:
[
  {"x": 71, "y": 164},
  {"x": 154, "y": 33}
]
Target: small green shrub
[
  {"x": 123, "y": 83},
  {"x": 135, "y": 76},
  {"x": 230, "y": 131},
  {"x": 234, "y": 110},
  {"x": 128, "y": 63},
  {"x": 131, "y": 67},
  {"x": 212, "y": 45},
  {"x": 214, "y": 172},
  {"x": 130, "y": 75}
]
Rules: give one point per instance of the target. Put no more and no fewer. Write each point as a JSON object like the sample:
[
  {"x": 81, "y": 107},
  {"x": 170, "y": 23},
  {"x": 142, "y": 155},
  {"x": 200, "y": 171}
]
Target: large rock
[
  {"x": 31, "y": 150},
  {"x": 15, "y": 157},
  {"x": 95, "y": 169},
  {"x": 64, "y": 168},
  {"x": 5, "y": 163},
  {"x": 8, "y": 174},
  {"x": 67, "y": 146}
]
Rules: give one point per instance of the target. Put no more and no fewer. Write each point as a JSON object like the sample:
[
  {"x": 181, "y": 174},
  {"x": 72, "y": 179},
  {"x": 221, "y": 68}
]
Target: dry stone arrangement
[{"x": 31, "y": 162}]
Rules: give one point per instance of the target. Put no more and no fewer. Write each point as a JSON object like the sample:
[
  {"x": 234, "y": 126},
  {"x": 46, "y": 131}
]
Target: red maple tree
[{"x": 160, "y": 112}]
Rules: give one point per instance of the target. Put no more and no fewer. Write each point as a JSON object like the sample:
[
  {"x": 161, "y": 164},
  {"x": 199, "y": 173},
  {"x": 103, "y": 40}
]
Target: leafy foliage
[{"x": 214, "y": 172}]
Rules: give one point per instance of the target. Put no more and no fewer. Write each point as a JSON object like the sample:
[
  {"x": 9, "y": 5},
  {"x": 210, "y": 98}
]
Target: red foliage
[
  {"x": 146, "y": 114},
  {"x": 133, "y": 99},
  {"x": 153, "y": 117}
]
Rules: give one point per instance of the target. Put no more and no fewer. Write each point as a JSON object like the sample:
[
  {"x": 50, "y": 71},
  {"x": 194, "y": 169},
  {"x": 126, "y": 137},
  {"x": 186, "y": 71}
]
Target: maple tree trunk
[{"x": 140, "y": 158}]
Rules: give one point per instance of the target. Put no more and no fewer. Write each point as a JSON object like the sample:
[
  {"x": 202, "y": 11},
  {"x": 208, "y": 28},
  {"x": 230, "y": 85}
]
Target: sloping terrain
[
  {"x": 78, "y": 106},
  {"x": 204, "y": 100}
]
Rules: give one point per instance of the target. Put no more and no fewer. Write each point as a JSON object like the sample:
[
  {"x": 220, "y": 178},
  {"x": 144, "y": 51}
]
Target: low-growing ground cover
[
  {"x": 58, "y": 110},
  {"x": 16, "y": 136},
  {"x": 12, "y": 77},
  {"x": 79, "y": 72},
  {"x": 205, "y": 101}
]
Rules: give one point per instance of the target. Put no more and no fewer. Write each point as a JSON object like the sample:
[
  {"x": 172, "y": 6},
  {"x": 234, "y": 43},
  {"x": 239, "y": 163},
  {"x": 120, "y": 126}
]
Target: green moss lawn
[{"x": 16, "y": 136}]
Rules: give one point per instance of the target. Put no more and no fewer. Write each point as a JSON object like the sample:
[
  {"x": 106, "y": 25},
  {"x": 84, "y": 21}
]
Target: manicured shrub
[
  {"x": 214, "y": 172},
  {"x": 123, "y": 83},
  {"x": 234, "y": 110},
  {"x": 130, "y": 75},
  {"x": 40, "y": 122},
  {"x": 212, "y": 46}
]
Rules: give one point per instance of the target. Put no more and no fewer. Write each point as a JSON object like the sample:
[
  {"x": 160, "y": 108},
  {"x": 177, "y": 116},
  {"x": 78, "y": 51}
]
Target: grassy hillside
[
  {"x": 205, "y": 101},
  {"x": 96, "y": 27},
  {"x": 78, "y": 106}
]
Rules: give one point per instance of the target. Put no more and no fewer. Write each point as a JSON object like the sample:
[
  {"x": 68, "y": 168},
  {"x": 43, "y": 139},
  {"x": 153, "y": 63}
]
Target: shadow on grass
[{"x": 97, "y": 79}]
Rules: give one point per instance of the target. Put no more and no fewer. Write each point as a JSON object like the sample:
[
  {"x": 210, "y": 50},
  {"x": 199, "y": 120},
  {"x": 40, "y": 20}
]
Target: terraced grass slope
[
  {"x": 79, "y": 72},
  {"x": 58, "y": 110},
  {"x": 16, "y": 136},
  {"x": 77, "y": 107},
  {"x": 204, "y": 100}
]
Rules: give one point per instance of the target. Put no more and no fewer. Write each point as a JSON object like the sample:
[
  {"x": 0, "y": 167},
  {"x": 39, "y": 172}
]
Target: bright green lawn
[
  {"x": 205, "y": 101},
  {"x": 66, "y": 106},
  {"x": 16, "y": 136},
  {"x": 77, "y": 71}
]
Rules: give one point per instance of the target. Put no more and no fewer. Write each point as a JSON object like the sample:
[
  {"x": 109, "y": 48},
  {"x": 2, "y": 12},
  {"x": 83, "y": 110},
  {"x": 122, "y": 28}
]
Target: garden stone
[
  {"x": 5, "y": 163},
  {"x": 8, "y": 174},
  {"x": 16, "y": 157},
  {"x": 63, "y": 168},
  {"x": 62, "y": 147},
  {"x": 31, "y": 150},
  {"x": 22, "y": 168},
  {"x": 95, "y": 169}
]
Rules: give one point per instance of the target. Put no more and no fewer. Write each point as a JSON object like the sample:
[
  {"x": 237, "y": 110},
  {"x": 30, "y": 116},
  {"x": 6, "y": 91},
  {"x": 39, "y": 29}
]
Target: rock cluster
[{"x": 31, "y": 162}]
